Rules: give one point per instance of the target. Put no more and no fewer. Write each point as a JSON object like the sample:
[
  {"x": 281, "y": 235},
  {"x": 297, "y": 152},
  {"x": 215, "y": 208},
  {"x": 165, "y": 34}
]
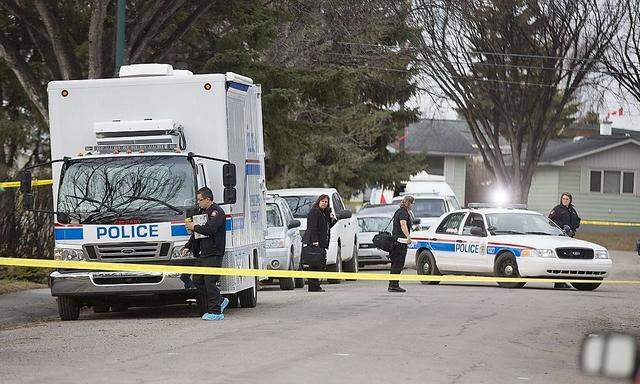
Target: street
[{"x": 356, "y": 332}]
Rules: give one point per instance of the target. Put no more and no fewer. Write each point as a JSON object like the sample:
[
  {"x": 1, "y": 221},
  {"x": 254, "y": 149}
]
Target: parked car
[
  {"x": 429, "y": 207},
  {"x": 506, "y": 242},
  {"x": 283, "y": 242},
  {"x": 342, "y": 254},
  {"x": 373, "y": 219}
]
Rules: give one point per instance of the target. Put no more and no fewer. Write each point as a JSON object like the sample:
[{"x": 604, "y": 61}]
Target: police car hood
[
  {"x": 276, "y": 232},
  {"x": 543, "y": 241}
]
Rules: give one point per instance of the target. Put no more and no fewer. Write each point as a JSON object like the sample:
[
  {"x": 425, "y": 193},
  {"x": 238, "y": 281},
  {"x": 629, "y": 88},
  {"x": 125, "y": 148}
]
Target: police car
[{"x": 506, "y": 242}]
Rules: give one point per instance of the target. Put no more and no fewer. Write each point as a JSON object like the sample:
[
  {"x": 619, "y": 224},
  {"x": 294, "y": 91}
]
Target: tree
[
  {"x": 623, "y": 59},
  {"x": 511, "y": 68}
]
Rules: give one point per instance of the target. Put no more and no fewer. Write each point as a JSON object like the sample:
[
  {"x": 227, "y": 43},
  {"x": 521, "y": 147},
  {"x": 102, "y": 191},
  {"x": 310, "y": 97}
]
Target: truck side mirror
[
  {"x": 229, "y": 195},
  {"x": 343, "y": 214},
  {"x": 294, "y": 224},
  {"x": 25, "y": 182},
  {"x": 229, "y": 175}
]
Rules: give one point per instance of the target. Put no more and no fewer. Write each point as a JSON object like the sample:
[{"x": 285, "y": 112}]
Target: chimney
[{"x": 605, "y": 128}]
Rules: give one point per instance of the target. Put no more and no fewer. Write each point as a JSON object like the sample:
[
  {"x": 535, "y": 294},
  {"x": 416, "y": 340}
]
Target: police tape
[
  {"x": 158, "y": 268},
  {"x": 16, "y": 184},
  {"x": 609, "y": 223}
]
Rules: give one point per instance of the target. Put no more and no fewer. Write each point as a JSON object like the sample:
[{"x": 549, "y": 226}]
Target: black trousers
[
  {"x": 315, "y": 283},
  {"x": 207, "y": 284},
  {"x": 397, "y": 255}
]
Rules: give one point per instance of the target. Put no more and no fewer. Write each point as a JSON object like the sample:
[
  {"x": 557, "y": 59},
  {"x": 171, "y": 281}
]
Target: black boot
[
  {"x": 314, "y": 285},
  {"x": 395, "y": 287}
]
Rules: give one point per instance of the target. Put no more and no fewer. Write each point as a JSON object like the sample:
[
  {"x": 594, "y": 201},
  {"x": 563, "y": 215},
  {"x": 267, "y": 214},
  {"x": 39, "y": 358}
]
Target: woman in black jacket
[
  {"x": 564, "y": 214},
  {"x": 319, "y": 223}
]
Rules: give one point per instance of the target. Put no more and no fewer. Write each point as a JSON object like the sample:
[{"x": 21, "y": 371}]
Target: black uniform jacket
[
  {"x": 215, "y": 230},
  {"x": 562, "y": 216}
]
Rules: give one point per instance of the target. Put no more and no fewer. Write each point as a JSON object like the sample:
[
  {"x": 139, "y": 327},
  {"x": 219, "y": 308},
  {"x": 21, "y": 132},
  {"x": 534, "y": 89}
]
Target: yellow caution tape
[
  {"x": 97, "y": 266},
  {"x": 16, "y": 184},
  {"x": 609, "y": 223}
]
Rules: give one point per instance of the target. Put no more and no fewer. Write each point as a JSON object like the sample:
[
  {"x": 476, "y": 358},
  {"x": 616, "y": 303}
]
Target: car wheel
[
  {"x": 68, "y": 308},
  {"x": 585, "y": 286},
  {"x": 287, "y": 283},
  {"x": 426, "y": 265},
  {"x": 352, "y": 264},
  {"x": 337, "y": 267},
  {"x": 249, "y": 297},
  {"x": 506, "y": 266}
]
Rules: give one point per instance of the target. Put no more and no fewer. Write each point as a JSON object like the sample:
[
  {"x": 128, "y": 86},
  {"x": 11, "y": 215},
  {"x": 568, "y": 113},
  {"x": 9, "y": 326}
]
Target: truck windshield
[
  {"x": 521, "y": 224},
  {"x": 152, "y": 188},
  {"x": 429, "y": 207}
]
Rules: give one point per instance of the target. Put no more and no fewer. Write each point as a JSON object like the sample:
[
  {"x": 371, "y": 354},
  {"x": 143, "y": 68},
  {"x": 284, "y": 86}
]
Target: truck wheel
[
  {"x": 68, "y": 308},
  {"x": 426, "y": 265},
  {"x": 233, "y": 300},
  {"x": 506, "y": 266},
  {"x": 352, "y": 264},
  {"x": 287, "y": 283},
  {"x": 100, "y": 308},
  {"x": 585, "y": 286},
  {"x": 337, "y": 267},
  {"x": 249, "y": 297}
]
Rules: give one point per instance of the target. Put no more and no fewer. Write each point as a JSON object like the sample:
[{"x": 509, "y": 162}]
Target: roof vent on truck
[{"x": 148, "y": 70}]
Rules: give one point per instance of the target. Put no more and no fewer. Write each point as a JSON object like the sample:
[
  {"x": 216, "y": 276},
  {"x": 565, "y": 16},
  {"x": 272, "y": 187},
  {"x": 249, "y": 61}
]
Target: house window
[
  {"x": 612, "y": 182},
  {"x": 596, "y": 181},
  {"x": 435, "y": 165},
  {"x": 628, "y": 181}
]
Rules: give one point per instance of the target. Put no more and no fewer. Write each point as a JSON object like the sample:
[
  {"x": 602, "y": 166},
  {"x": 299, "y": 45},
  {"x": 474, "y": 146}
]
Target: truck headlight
[
  {"x": 176, "y": 253},
  {"x": 538, "y": 253},
  {"x": 601, "y": 254},
  {"x": 68, "y": 254},
  {"x": 274, "y": 243}
]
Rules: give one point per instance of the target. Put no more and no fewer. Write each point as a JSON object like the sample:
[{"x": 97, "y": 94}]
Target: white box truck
[{"x": 129, "y": 154}]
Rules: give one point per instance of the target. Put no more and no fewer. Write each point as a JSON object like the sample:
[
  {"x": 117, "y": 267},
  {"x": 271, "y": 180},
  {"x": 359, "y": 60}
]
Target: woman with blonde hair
[{"x": 402, "y": 233}]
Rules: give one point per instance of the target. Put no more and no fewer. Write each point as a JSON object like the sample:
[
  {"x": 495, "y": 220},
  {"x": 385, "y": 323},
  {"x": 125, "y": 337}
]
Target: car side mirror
[
  {"x": 344, "y": 214},
  {"x": 477, "y": 231},
  {"x": 293, "y": 224},
  {"x": 609, "y": 355},
  {"x": 229, "y": 175},
  {"x": 25, "y": 182},
  {"x": 229, "y": 195}
]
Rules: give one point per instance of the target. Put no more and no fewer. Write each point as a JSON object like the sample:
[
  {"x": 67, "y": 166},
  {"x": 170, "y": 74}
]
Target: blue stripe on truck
[{"x": 68, "y": 233}]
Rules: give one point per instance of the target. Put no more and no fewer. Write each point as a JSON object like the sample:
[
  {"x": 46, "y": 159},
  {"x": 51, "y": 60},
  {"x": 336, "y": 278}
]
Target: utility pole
[{"x": 120, "y": 23}]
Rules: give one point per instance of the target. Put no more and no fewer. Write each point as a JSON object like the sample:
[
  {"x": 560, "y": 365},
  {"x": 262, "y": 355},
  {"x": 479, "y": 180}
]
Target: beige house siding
[
  {"x": 544, "y": 194},
  {"x": 455, "y": 174}
]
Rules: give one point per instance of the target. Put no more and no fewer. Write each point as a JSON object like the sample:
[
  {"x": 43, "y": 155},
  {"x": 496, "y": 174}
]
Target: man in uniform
[
  {"x": 209, "y": 251},
  {"x": 402, "y": 234}
]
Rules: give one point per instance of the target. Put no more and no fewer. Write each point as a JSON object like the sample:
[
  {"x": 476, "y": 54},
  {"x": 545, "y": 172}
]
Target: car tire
[
  {"x": 337, "y": 267},
  {"x": 249, "y": 297},
  {"x": 506, "y": 266},
  {"x": 287, "y": 283},
  {"x": 426, "y": 265},
  {"x": 585, "y": 286},
  {"x": 351, "y": 265},
  {"x": 233, "y": 300},
  {"x": 68, "y": 308}
]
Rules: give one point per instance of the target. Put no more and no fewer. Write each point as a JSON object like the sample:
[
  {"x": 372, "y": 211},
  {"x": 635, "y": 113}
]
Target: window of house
[
  {"x": 435, "y": 165},
  {"x": 612, "y": 182},
  {"x": 596, "y": 181},
  {"x": 628, "y": 182}
]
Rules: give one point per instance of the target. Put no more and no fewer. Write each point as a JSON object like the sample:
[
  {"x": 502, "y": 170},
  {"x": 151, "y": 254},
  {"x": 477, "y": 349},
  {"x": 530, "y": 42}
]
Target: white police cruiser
[{"x": 506, "y": 242}]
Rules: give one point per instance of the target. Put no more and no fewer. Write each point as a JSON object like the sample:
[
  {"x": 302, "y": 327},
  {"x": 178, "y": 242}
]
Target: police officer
[
  {"x": 401, "y": 232},
  {"x": 209, "y": 251},
  {"x": 565, "y": 216}
]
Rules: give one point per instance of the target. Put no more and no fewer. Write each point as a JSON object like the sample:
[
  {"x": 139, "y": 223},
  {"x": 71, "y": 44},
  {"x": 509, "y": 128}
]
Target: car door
[
  {"x": 443, "y": 244},
  {"x": 471, "y": 248}
]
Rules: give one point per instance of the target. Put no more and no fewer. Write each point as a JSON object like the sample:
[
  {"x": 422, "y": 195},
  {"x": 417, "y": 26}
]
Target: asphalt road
[{"x": 355, "y": 332}]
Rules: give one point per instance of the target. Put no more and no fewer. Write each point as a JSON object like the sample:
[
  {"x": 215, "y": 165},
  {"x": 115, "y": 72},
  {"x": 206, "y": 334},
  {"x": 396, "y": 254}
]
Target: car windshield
[
  {"x": 100, "y": 190},
  {"x": 274, "y": 219},
  {"x": 374, "y": 224},
  {"x": 519, "y": 223},
  {"x": 428, "y": 207},
  {"x": 300, "y": 205}
]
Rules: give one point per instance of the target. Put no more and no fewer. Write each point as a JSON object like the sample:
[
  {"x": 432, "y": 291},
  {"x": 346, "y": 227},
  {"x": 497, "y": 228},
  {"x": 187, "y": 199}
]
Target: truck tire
[
  {"x": 426, "y": 265},
  {"x": 68, "y": 308},
  {"x": 351, "y": 265},
  {"x": 585, "y": 286},
  {"x": 337, "y": 267},
  {"x": 287, "y": 283},
  {"x": 233, "y": 300},
  {"x": 506, "y": 266},
  {"x": 249, "y": 297}
]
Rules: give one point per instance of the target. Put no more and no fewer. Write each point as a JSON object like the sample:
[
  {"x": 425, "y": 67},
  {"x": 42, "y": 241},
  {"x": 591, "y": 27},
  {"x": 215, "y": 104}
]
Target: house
[
  {"x": 601, "y": 171},
  {"x": 448, "y": 145}
]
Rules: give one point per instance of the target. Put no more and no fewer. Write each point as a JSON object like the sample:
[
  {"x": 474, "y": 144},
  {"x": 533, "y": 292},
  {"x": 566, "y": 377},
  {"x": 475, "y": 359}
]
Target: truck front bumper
[
  {"x": 570, "y": 268},
  {"x": 87, "y": 283}
]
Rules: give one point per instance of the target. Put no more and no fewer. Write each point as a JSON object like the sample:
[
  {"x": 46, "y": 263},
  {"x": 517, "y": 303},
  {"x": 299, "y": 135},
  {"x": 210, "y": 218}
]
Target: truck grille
[
  {"x": 128, "y": 251},
  {"x": 574, "y": 253}
]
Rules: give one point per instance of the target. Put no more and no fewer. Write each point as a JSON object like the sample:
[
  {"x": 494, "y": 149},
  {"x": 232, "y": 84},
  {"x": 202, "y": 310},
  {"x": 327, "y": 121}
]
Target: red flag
[
  {"x": 617, "y": 112},
  {"x": 620, "y": 111},
  {"x": 382, "y": 199}
]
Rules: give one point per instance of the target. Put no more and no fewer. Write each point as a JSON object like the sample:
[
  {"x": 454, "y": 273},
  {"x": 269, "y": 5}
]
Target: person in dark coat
[
  {"x": 209, "y": 252},
  {"x": 319, "y": 223},
  {"x": 402, "y": 233},
  {"x": 565, "y": 215}
]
